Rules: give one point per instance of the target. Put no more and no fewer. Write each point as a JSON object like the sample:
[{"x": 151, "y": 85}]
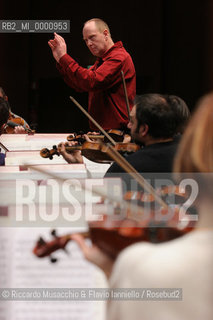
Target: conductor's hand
[
  {"x": 93, "y": 254},
  {"x": 58, "y": 47},
  {"x": 73, "y": 156}
]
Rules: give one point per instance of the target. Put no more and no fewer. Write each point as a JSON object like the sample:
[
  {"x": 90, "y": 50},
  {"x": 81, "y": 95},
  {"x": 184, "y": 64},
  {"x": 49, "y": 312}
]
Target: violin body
[
  {"x": 116, "y": 135},
  {"x": 169, "y": 194},
  {"x": 13, "y": 122},
  {"x": 113, "y": 233},
  {"x": 98, "y": 152},
  {"x": 95, "y": 152}
]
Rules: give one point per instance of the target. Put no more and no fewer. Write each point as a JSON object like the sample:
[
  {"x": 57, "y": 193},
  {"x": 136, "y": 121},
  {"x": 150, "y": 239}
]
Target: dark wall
[
  {"x": 185, "y": 29},
  {"x": 170, "y": 42}
]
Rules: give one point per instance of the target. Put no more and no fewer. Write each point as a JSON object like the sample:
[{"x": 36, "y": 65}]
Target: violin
[
  {"x": 81, "y": 139},
  {"x": 113, "y": 234},
  {"x": 45, "y": 249},
  {"x": 15, "y": 122},
  {"x": 116, "y": 135},
  {"x": 93, "y": 151},
  {"x": 166, "y": 193}
]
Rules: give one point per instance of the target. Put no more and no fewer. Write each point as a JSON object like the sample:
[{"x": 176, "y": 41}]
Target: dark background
[{"x": 170, "y": 42}]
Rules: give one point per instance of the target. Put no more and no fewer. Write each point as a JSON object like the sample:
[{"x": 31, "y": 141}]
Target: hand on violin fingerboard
[
  {"x": 88, "y": 135},
  {"x": 127, "y": 138},
  {"x": 93, "y": 136},
  {"x": 73, "y": 156},
  {"x": 93, "y": 254}
]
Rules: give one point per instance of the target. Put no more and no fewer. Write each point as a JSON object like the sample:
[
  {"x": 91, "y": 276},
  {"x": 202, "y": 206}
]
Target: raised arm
[{"x": 58, "y": 47}]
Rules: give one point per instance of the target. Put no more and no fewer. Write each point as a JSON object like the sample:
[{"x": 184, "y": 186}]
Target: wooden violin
[
  {"x": 14, "y": 122},
  {"x": 93, "y": 151},
  {"x": 112, "y": 234},
  {"x": 116, "y": 135},
  {"x": 44, "y": 249},
  {"x": 81, "y": 139},
  {"x": 129, "y": 224},
  {"x": 166, "y": 193}
]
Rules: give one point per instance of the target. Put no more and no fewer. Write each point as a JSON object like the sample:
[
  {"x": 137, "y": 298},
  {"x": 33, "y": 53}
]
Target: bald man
[{"x": 103, "y": 81}]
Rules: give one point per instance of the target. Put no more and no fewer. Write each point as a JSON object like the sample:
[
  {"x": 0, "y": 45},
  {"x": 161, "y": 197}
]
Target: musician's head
[
  {"x": 182, "y": 112},
  {"x": 4, "y": 112},
  {"x": 152, "y": 118},
  {"x": 3, "y": 94},
  {"x": 97, "y": 37}
]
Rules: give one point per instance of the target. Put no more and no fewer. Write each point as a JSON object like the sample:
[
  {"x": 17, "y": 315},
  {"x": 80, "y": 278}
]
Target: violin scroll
[
  {"x": 46, "y": 153},
  {"x": 44, "y": 249}
]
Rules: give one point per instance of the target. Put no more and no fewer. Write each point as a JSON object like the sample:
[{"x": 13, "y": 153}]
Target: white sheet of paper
[
  {"x": 65, "y": 171},
  {"x": 36, "y": 141},
  {"x": 19, "y": 268}
]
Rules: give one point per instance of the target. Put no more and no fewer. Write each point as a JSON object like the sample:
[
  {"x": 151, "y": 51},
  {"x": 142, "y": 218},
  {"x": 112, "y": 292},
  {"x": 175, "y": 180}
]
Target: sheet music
[
  {"x": 65, "y": 171},
  {"x": 30, "y": 157},
  {"x": 36, "y": 141},
  {"x": 19, "y": 268}
]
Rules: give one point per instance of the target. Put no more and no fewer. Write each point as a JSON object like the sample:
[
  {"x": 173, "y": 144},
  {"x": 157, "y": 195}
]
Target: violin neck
[
  {"x": 84, "y": 234},
  {"x": 13, "y": 124},
  {"x": 95, "y": 136}
]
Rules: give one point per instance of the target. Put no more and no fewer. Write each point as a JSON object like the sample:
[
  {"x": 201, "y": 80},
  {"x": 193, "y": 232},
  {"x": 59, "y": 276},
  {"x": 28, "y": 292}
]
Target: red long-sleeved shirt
[{"x": 103, "y": 82}]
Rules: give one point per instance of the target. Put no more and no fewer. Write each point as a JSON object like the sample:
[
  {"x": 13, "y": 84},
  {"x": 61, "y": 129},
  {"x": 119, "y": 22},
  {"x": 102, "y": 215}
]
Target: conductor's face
[{"x": 95, "y": 40}]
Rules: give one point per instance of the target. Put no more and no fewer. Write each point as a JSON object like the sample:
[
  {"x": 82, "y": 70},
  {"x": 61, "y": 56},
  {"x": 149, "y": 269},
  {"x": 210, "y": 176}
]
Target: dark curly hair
[{"x": 157, "y": 112}]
